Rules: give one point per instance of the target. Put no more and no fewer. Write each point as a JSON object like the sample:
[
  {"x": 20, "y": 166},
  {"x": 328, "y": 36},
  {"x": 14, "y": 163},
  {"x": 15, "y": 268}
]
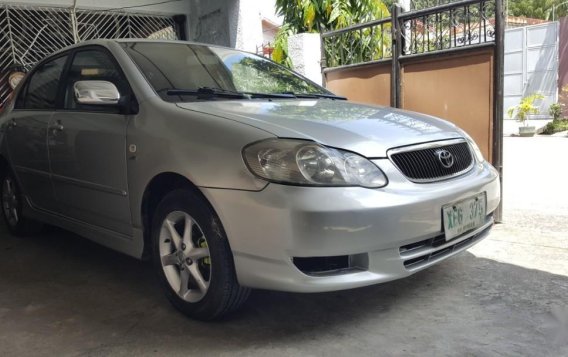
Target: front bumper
[{"x": 386, "y": 233}]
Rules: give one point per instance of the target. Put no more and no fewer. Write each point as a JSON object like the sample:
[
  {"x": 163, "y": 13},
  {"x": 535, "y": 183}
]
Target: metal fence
[
  {"x": 443, "y": 27},
  {"x": 366, "y": 42},
  {"x": 426, "y": 4},
  {"x": 448, "y": 26},
  {"x": 29, "y": 33}
]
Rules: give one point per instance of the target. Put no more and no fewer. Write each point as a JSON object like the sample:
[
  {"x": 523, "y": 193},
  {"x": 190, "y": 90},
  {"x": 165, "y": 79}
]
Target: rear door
[
  {"x": 87, "y": 148},
  {"x": 27, "y": 132}
]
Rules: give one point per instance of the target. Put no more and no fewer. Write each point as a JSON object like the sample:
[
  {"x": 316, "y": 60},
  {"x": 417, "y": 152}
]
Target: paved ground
[{"x": 61, "y": 295}]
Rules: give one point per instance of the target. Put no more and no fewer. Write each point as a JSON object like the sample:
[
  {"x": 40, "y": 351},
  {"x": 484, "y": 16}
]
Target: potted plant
[{"x": 523, "y": 110}]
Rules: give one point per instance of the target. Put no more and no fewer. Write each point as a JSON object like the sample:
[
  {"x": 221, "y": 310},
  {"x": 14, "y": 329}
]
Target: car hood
[{"x": 365, "y": 129}]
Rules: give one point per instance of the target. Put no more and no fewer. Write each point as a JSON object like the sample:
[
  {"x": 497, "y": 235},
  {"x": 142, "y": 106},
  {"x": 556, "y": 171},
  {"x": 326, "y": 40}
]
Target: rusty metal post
[
  {"x": 498, "y": 60},
  {"x": 323, "y": 60},
  {"x": 396, "y": 53}
]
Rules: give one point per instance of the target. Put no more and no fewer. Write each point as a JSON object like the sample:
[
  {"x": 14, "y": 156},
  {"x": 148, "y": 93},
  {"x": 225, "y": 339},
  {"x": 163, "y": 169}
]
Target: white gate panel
[{"x": 531, "y": 66}]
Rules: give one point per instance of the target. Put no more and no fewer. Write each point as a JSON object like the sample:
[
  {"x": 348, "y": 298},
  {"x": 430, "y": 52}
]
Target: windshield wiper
[
  {"x": 270, "y": 95},
  {"x": 315, "y": 95},
  {"x": 208, "y": 92}
]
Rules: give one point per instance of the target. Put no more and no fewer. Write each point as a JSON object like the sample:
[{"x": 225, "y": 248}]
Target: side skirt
[{"x": 130, "y": 245}]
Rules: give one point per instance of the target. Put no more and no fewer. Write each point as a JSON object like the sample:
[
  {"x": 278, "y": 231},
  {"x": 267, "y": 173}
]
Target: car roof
[{"x": 105, "y": 42}]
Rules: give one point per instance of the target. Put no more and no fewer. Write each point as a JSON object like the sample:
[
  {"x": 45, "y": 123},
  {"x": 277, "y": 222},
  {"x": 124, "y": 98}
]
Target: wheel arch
[{"x": 159, "y": 186}]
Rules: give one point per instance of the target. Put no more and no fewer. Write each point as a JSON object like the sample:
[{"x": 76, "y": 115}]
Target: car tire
[
  {"x": 12, "y": 199},
  {"x": 193, "y": 259}
]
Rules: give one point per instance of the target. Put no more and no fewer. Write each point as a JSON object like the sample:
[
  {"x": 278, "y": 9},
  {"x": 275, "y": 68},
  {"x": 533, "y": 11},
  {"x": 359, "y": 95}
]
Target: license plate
[{"x": 463, "y": 216}]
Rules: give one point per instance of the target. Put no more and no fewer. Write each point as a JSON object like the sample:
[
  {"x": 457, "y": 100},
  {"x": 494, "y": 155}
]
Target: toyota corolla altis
[{"x": 231, "y": 172}]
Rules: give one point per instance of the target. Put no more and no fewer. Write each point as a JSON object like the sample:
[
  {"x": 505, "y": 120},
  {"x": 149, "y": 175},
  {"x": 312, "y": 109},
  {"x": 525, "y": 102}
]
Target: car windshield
[{"x": 180, "y": 72}]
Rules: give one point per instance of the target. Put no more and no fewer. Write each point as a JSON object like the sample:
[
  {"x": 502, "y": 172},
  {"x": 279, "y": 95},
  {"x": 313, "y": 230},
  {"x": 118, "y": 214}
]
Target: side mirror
[{"x": 96, "y": 93}]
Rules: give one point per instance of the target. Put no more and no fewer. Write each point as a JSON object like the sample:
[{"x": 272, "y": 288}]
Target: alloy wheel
[{"x": 184, "y": 254}]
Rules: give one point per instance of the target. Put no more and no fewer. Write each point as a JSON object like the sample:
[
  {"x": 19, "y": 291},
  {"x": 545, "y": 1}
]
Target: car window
[
  {"x": 190, "y": 66},
  {"x": 93, "y": 65},
  {"x": 40, "y": 91}
]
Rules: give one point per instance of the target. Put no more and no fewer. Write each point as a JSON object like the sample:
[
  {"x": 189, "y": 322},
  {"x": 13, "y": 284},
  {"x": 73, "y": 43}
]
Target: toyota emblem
[{"x": 446, "y": 158}]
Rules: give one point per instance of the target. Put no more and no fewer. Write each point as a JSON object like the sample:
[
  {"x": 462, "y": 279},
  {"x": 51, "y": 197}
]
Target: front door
[
  {"x": 87, "y": 149},
  {"x": 26, "y": 132}
]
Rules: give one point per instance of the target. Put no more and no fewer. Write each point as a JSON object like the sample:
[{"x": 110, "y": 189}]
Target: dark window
[
  {"x": 183, "y": 66},
  {"x": 93, "y": 65},
  {"x": 41, "y": 89}
]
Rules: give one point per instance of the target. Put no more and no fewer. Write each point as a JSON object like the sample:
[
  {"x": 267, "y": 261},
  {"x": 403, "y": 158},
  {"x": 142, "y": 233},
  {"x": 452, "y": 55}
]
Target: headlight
[{"x": 302, "y": 162}]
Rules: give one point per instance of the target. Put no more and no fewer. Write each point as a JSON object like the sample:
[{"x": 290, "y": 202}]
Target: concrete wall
[
  {"x": 249, "y": 26},
  {"x": 563, "y": 58},
  {"x": 234, "y": 23},
  {"x": 213, "y": 21},
  {"x": 304, "y": 50}
]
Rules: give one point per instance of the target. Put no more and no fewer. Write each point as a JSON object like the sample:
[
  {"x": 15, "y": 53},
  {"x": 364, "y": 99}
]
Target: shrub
[
  {"x": 555, "y": 111},
  {"x": 555, "y": 126}
]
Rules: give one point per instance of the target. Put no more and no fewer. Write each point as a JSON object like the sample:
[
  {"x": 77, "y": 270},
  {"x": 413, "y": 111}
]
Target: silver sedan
[{"x": 231, "y": 172}]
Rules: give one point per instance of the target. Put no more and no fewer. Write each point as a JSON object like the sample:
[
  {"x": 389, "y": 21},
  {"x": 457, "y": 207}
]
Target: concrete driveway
[{"x": 62, "y": 295}]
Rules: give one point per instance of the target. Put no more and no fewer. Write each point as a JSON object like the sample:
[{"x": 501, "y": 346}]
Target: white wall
[
  {"x": 249, "y": 27},
  {"x": 304, "y": 50}
]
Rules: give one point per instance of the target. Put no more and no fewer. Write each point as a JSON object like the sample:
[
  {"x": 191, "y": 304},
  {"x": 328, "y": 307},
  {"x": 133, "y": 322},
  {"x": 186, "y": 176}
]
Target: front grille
[
  {"x": 420, "y": 254},
  {"x": 422, "y": 164}
]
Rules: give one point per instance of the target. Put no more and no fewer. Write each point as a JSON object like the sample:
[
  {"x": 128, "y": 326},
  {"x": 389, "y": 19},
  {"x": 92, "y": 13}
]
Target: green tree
[
  {"x": 537, "y": 9},
  {"x": 324, "y": 15}
]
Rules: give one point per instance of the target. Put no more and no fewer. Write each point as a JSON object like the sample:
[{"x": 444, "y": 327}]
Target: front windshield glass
[{"x": 190, "y": 67}]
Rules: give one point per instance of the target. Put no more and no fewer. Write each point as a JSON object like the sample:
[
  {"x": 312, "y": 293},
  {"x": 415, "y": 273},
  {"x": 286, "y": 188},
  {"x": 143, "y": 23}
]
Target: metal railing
[
  {"x": 452, "y": 25},
  {"x": 366, "y": 42},
  {"x": 443, "y": 27},
  {"x": 426, "y": 4}
]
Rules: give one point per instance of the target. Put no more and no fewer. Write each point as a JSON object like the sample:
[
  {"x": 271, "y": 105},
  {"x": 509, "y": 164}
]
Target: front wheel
[
  {"x": 193, "y": 259},
  {"x": 12, "y": 202}
]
